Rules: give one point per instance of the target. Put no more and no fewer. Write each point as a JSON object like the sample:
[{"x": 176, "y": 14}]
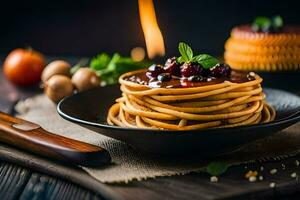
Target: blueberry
[
  {"x": 197, "y": 78},
  {"x": 191, "y": 69},
  {"x": 154, "y": 70},
  {"x": 205, "y": 72},
  {"x": 164, "y": 77},
  {"x": 172, "y": 67},
  {"x": 220, "y": 70}
]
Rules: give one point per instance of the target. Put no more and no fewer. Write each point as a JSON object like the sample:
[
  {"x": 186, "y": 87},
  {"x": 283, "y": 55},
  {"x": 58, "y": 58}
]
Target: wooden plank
[
  {"x": 192, "y": 186},
  {"x": 233, "y": 184},
  {"x": 12, "y": 180},
  {"x": 44, "y": 166},
  {"x": 19, "y": 183},
  {"x": 41, "y": 186}
]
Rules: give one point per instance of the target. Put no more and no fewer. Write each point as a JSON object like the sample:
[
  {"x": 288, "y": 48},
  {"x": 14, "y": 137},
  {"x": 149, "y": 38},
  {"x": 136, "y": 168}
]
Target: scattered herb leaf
[{"x": 216, "y": 168}]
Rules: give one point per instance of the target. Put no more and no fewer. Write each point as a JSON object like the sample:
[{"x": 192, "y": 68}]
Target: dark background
[{"x": 85, "y": 28}]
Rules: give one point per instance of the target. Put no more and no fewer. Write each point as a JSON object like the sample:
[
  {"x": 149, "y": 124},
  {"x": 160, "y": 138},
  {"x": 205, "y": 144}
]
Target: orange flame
[{"x": 153, "y": 37}]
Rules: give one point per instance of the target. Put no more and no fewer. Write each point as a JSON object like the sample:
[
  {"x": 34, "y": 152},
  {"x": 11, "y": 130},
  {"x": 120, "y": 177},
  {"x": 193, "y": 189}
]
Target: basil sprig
[
  {"x": 205, "y": 60},
  {"x": 266, "y": 24}
]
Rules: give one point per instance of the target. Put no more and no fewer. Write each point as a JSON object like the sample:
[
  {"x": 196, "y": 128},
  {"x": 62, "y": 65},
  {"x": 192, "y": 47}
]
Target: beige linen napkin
[{"x": 129, "y": 164}]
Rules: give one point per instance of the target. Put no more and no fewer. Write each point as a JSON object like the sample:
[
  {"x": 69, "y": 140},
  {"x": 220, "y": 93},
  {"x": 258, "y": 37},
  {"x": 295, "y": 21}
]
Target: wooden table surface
[{"x": 18, "y": 182}]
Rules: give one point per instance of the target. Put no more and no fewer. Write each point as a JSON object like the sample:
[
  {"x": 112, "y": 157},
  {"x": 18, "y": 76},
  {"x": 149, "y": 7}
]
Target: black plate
[{"x": 89, "y": 109}]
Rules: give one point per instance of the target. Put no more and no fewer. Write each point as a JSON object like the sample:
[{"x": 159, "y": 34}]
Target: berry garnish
[
  {"x": 191, "y": 69},
  {"x": 154, "y": 70},
  {"x": 196, "y": 78},
  {"x": 164, "y": 77},
  {"x": 205, "y": 72},
  {"x": 220, "y": 70},
  {"x": 172, "y": 67}
]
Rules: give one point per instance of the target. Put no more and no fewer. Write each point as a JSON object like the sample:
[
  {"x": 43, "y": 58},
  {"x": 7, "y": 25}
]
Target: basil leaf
[
  {"x": 216, "y": 168},
  {"x": 277, "y": 22},
  {"x": 185, "y": 51},
  {"x": 205, "y": 60}
]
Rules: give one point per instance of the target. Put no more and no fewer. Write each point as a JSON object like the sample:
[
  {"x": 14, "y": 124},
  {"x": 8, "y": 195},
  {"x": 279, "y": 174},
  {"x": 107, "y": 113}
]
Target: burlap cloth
[{"x": 129, "y": 164}]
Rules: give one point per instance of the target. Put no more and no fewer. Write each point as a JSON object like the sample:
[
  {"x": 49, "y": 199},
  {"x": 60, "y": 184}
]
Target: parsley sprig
[
  {"x": 109, "y": 68},
  {"x": 187, "y": 55}
]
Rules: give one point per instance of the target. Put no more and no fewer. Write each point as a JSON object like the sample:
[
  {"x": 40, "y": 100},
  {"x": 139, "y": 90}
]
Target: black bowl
[{"x": 89, "y": 109}]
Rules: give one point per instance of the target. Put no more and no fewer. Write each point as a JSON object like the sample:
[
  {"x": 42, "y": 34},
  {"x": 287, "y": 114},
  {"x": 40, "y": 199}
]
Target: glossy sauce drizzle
[{"x": 176, "y": 82}]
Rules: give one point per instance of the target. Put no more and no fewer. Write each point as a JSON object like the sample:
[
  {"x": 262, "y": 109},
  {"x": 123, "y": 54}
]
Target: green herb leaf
[
  {"x": 185, "y": 51},
  {"x": 262, "y": 22},
  {"x": 100, "y": 61},
  {"x": 110, "y": 68},
  {"x": 216, "y": 168},
  {"x": 82, "y": 63},
  {"x": 180, "y": 59},
  {"x": 277, "y": 22},
  {"x": 112, "y": 64},
  {"x": 206, "y": 60},
  {"x": 267, "y": 24}
]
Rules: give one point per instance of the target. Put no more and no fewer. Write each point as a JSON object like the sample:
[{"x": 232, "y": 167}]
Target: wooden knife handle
[{"x": 31, "y": 137}]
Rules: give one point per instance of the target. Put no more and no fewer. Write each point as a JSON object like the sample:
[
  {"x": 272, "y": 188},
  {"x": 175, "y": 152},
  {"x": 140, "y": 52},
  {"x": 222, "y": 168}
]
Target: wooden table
[{"x": 18, "y": 182}]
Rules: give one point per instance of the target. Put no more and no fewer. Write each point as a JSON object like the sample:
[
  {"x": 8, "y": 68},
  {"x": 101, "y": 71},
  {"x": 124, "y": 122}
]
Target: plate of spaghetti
[{"x": 190, "y": 104}]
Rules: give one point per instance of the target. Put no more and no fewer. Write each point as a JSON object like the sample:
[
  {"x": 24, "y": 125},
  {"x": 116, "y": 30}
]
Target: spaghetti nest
[{"x": 225, "y": 104}]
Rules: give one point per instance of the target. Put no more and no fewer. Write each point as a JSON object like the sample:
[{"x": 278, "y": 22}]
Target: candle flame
[{"x": 153, "y": 37}]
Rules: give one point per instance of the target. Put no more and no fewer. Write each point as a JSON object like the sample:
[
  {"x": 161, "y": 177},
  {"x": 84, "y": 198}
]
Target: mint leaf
[
  {"x": 277, "y": 22},
  {"x": 216, "y": 168},
  {"x": 180, "y": 59},
  {"x": 185, "y": 51},
  {"x": 205, "y": 60}
]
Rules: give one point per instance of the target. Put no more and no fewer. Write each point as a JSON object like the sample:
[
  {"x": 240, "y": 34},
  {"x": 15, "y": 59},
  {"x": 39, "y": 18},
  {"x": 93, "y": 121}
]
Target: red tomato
[{"x": 24, "y": 66}]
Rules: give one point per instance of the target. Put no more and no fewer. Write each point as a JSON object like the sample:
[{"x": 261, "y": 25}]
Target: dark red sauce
[{"x": 176, "y": 82}]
